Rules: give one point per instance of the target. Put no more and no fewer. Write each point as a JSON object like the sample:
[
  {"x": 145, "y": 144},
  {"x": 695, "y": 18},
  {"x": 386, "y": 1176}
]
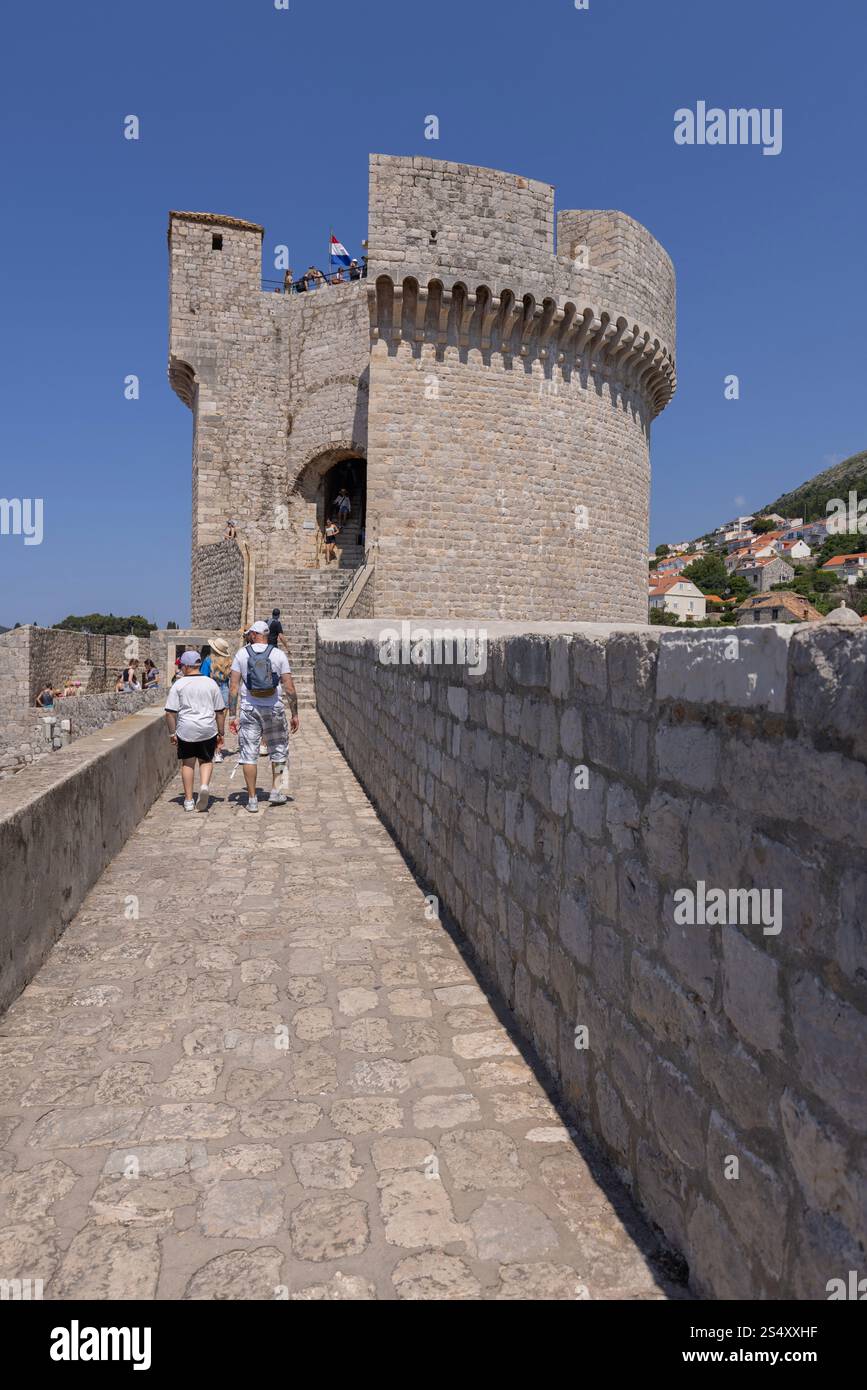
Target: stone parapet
[
  {"x": 61, "y": 823},
  {"x": 573, "y": 797}
]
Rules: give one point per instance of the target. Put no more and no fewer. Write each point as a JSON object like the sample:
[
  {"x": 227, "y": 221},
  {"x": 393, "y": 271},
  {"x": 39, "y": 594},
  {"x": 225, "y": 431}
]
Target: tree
[
  {"x": 708, "y": 573},
  {"x": 107, "y": 623},
  {"x": 841, "y": 545},
  {"x": 763, "y": 524},
  {"x": 662, "y": 551},
  {"x": 739, "y": 587},
  {"x": 659, "y": 618},
  {"x": 173, "y": 627}
]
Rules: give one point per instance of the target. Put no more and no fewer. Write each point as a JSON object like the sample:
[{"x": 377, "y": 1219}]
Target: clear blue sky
[{"x": 270, "y": 115}]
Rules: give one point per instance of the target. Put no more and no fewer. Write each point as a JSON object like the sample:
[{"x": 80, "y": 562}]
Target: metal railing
[
  {"x": 305, "y": 284},
  {"x": 354, "y": 581}
]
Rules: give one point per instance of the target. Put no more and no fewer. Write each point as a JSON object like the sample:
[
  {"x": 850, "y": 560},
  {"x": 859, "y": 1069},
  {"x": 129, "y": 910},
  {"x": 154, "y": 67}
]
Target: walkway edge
[{"x": 61, "y": 822}]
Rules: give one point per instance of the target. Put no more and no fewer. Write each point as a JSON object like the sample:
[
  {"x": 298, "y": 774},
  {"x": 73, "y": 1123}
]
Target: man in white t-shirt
[
  {"x": 195, "y": 715},
  {"x": 259, "y": 671}
]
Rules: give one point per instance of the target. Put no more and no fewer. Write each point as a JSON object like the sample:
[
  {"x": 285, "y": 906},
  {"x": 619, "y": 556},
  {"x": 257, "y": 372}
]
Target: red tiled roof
[{"x": 837, "y": 560}]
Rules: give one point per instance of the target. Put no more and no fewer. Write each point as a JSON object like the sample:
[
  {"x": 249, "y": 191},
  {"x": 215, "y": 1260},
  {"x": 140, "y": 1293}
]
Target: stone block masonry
[
  {"x": 61, "y": 823},
  {"x": 499, "y": 389},
  {"x": 31, "y": 656},
  {"x": 566, "y": 806},
  {"x": 218, "y": 584},
  {"x": 22, "y": 736}
]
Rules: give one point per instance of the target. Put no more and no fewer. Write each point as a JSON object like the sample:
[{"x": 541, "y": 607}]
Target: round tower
[
  {"x": 512, "y": 386},
  {"x": 485, "y": 395}
]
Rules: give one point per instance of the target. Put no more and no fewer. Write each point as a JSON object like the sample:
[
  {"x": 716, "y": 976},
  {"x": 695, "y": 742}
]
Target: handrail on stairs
[{"x": 353, "y": 583}]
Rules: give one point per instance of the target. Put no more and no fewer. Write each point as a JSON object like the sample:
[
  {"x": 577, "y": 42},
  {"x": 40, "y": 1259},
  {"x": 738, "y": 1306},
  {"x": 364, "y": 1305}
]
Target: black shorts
[{"x": 204, "y": 751}]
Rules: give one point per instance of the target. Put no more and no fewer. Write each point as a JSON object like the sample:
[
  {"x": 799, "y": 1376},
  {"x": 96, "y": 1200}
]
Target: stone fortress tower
[{"x": 485, "y": 396}]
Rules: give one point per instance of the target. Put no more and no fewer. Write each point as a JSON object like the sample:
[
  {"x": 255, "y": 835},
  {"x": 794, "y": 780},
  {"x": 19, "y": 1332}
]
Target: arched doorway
[
  {"x": 347, "y": 477},
  {"x": 313, "y": 499}
]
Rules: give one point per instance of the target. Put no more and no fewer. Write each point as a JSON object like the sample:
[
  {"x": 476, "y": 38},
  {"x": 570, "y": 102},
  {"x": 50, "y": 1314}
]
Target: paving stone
[
  {"x": 240, "y": 1274},
  {"x": 74, "y": 1129},
  {"x": 126, "y": 1083},
  {"x": 327, "y": 1164},
  {"x": 141, "y": 1201},
  {"x": 417, "y": 1210},
  {"x": 507, "y": 1230},
  {"x": 399, "y": 1153},
  {"x": 29, "y": 1250},
  {"x": 343, "y": 1288},
  {"x": 32, "y": 1192},
  {"x": 543, "y": 1281},
  {"x": 313, "y": 1024},
  {"x": 247, "y": 1094},
  {"x": 242, "y": 1207},
  {"x": 481, "y": 1159},
  {"x": 381, "y": 1075},
  {"x": 352, "y": 1002},
  {"x": 444, "y": 1112},
  {"x": 487, "y": 1044},
  {"x": 193, "y": 1120},
  {"x": 433, "y": 1071},
  {"x": 277, "y": 1117},
  {"x": 105, "y": 1262},
  {"x": 192, "y": 1077},
  {"x": 246, "y": 1085},
  {"x": 329, "y": 1228},
  {"x": 434, "y": 1275},
  {"x": 368, "y": 1114}
]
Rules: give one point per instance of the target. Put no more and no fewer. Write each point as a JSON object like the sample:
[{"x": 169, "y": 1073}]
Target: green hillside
[{"x": 810, "y": 498}]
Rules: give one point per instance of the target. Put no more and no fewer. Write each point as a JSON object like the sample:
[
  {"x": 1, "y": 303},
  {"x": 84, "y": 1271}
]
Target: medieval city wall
[
  {"x": 556, "y": 803},
  {"x": 23, "y": 738},
  {"x": 61, "y": 824},
  {"x": 31, "y": 656}
]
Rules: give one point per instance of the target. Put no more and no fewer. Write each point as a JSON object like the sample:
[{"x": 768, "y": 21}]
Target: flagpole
[{"x": 330, "y": 258}]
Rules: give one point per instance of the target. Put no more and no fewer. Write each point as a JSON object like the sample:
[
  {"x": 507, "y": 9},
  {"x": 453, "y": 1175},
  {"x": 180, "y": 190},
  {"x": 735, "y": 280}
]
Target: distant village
[{"x": 760, "y": 568}]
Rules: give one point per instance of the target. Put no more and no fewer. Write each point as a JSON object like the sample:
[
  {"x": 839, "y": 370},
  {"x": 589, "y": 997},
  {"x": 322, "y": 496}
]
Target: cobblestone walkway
[{"x": 253, "y": 1068}]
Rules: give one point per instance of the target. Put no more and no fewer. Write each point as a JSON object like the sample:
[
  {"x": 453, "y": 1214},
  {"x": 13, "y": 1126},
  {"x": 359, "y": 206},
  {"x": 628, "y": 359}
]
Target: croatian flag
[{"x": 338, "y": 252}]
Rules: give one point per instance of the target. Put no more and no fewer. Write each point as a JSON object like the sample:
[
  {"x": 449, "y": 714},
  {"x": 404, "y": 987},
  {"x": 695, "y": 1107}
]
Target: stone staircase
[
  {"x": 350, "y": 553},
  {"x": 82, "y": 675},
  {"x": 303, "y": 596}
]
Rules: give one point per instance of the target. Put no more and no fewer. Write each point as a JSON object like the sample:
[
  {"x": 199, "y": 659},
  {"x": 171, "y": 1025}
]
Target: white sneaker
[
  {"x": 218, "y": 757},
  {"x": 189, "y": 805},
  {"x": 278, "y": 798},
  {"x": 203, "y": 800},
  {"x": 252, "y": 803}
]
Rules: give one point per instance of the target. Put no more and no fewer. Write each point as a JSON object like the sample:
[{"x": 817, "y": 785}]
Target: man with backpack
[{"x": 259, "y": 670}]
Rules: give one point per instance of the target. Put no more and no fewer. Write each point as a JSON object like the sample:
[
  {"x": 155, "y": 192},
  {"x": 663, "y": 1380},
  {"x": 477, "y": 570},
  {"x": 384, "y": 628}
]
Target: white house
[
  {"x": 848, "y": 567},
  {"x": 795, "y": 550},
  {"x": 680, "y": 597}
]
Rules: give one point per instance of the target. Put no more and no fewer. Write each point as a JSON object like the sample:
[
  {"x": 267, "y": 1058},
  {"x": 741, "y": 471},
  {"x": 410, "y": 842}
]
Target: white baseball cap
[{"x": 258, "y": 627}]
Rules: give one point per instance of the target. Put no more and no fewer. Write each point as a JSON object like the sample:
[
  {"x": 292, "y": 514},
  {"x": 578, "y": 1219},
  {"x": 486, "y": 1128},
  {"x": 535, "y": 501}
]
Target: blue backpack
[{"x": 261, "y": 680}]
